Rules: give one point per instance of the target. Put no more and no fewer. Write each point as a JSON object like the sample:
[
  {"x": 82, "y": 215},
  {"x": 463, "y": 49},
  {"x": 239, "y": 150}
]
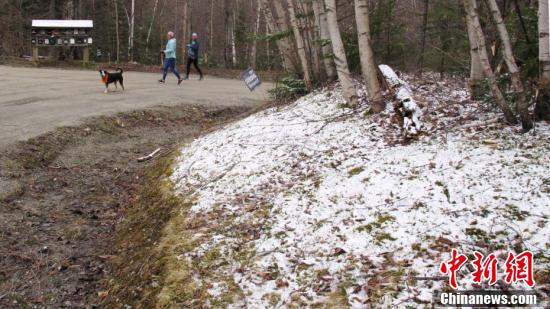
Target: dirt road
[
  {"x": 64, "y": 192},
  {"x": 34, "y": 101}
]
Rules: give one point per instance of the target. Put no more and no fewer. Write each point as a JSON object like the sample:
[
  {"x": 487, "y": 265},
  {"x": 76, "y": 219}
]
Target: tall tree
[
  {"x": 151, "y": 27},
  {"x": 340, "y": 54},
  {"x": 542, "y": 108},
  {"x": 472, "y": 11},
  {"x": 185, "y": 27},
  {"x": 424, "y": 31},
  {"x": 283, "y": 28},
  {"x": 476, "y": 70},
  {"x": 326, "y": 49},
  {"x": 300, "y": 45},
  {"x": 117, "y": 32},
  {"x": 131, "y": 31},
  {"x": 254, "y": 51},
  {"x": 368, "y": 67},
  {"x": 522, "y": 104}
]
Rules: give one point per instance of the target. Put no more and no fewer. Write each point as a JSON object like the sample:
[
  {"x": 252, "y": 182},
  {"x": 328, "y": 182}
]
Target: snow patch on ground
[{"x": 328, "y": 209}]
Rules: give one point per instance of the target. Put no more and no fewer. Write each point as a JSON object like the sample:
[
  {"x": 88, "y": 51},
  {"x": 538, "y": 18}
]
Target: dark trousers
[
  {"x": 195, "y": 62},
  {"x": 170, "y": 64}
]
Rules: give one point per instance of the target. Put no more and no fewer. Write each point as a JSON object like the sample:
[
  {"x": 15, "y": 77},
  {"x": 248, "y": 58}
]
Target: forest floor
[
  {"x": 63, "y": 193},
  {"x": 314, "y": 204}
]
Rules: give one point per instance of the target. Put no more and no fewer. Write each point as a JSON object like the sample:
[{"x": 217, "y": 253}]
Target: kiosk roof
[{"x": 44, "y": 23}]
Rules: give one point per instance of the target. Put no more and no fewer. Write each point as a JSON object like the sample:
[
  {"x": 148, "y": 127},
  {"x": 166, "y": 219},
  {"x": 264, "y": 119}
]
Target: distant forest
[{"x": 236, "y": 33}]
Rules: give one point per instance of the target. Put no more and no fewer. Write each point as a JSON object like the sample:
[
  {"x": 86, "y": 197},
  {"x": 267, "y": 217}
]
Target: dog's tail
[{"x": 120, "y": 70}]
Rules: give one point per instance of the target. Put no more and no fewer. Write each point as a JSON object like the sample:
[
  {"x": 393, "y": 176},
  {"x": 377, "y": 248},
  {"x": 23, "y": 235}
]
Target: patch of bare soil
[{"x": 62, "y": 195}]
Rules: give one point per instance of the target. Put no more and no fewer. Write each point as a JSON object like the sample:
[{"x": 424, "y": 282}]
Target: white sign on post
[{"x": 251, "y": 79}]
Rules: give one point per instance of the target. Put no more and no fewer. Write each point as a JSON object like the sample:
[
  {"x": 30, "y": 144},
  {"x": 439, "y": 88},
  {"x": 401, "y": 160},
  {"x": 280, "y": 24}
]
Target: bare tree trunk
[
  {"x": 284, "y": 44},
  {"x": 131, "y": 32},
  {"x": 542, "y": 108},
  {"x": 300, "y": 45},
  {"x": 326, "y": 50},
  {"x": 311, "y": 35},
  {"x": 253, "y": 53},
  {"x": 185, "y": 27},
  {"x": 368, "y": 66},
  {"x": 233, "y": 39},
  {"x": 471, "y": 9},
  {"x": 522, "y": 104},
  {"x": 227, "y": 29},
  {"x": 476, "y": 70},
  {"x": 210, "y": 33},
  {"x": 424, "y": 30},
  {"x": 150, "y": 27},
  {"x": 117, "y": 32},
  {"x": 340, "y": 54}
]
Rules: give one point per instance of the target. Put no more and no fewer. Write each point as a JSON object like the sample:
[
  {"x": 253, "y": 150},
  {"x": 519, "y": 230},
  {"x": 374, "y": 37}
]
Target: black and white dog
[{"x": 111, "y": 77}]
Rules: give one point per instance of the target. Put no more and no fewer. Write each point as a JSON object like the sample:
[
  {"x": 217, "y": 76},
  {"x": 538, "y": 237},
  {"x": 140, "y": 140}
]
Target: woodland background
[{"x": 404, "y": 34}]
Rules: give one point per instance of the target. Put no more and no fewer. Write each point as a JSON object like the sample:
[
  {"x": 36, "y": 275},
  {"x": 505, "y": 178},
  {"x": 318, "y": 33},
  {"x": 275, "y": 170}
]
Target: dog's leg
[
  {"x": 122, "y": 83},
  {"x": 106, "y": 88},
  {"x": 116, "y": 84}
]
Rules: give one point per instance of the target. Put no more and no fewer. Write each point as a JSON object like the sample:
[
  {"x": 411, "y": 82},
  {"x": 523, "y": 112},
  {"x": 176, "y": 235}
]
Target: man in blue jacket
[
  {"x": 193, "y": 55},
  {"x": 170, "y": 59}
]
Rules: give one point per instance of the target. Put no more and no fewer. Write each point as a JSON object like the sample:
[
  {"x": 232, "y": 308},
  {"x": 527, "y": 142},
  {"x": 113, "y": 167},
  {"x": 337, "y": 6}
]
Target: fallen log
[
  {"x": 149, "y": 156},
  {"x": 481, "y": 123},
  {"x": 406, "y": 105}
]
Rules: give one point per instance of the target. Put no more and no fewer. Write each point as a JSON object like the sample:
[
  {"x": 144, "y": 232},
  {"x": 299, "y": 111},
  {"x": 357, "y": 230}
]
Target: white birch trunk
[
  {"x": 476, "y": 70},
  {"x": 471, "y": 9},
  {"x": 131, "y": 32},
  {"x": 368, "y": 66},
  {"x": 233, "y": 40},
  {"x": 326, "y": 49},
  {"x": 151, "y": 24},
  {"x": 300, "y": 45},
  {"x": 340, "y": 54},
  {"x": 542, "y": 108},
  {"x": 544, "y": 37},
  {"x": 311, "y": 34},
  {"x": 522, "y": 104},
  {"x": 253, "y": 53},
  {"x": 287, "y": 45}
]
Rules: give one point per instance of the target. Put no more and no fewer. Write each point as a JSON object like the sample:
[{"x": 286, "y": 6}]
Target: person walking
[
  {"x": 193, "y": 55},
  {"x": 170, "y": 59}
]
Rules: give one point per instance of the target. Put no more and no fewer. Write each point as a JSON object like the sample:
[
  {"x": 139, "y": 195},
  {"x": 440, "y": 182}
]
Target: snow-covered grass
[{"x": 313, "y": 203}]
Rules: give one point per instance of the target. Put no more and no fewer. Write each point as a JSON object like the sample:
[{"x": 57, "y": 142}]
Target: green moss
[
  {"x": 382, "y": 237},
  {"x": 475, "y": 232},
  {"x": 514, "y": 213},
  {"x": 380, "y": 221},
  {"x": 365, "y": 228},
  {"x": 355, "y": 171},
  {"x": 418, "y": 205}
]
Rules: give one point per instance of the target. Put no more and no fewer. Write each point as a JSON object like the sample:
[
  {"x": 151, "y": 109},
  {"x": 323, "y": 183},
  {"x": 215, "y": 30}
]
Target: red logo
[
  {"x": 520, "y": 268},
  {"x": 517, "y": 268},
  {"x": 485, "y": 268},
  {"x": 452, "y": 266}
]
